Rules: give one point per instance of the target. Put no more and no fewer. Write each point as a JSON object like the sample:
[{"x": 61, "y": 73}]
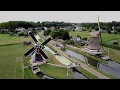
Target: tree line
[
  {"x": 11, "y": 25},
  {"x": 113, "y": 26}
]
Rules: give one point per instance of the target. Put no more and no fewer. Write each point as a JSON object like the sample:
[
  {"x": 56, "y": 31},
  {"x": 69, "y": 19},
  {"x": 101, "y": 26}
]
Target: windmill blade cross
[
  {"x": 46, "y": 41},
  {"x": 43, "y": 54},
  {"x": 29, "y": 52},
  {"x": 32, "y": 36}
]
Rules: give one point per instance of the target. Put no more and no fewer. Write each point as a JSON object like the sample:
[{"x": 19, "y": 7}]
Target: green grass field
[
  {"x": 11, "y": 57},
  {"x": 57, "y": 72},
  {"x": 7, "y": 39},
  {"x": 107, "y": 38},
  {"x": 12, "y": 60}
]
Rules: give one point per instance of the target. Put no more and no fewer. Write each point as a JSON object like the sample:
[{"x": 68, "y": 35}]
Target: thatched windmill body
[{"x": 94, "y": 43}]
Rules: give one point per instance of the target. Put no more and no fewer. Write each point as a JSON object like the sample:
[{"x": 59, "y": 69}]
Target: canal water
[
  {"x": 110, "y": 67},
  {"x": 78, "y": 74}
]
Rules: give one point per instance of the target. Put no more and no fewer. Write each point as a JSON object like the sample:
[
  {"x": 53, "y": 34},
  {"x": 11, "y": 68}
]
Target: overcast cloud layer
[{"x": 66, "y": 16}]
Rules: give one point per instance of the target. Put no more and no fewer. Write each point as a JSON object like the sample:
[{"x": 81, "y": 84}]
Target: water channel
[{"x": 110, "y": 67}]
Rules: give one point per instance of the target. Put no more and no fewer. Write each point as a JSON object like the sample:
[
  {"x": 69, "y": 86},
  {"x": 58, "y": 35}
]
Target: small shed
[
  {"x": 26, "y": 42},
  {"x": 115, "y": 43},
  {"x": 61, "y": 44}
]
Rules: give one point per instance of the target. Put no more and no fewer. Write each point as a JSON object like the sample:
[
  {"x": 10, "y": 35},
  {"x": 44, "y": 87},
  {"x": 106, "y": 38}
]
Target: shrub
[
  {"x": 85, "y": 38},
  {"x": 70, "y": 42},
  {"x": 112, "y": 46}
]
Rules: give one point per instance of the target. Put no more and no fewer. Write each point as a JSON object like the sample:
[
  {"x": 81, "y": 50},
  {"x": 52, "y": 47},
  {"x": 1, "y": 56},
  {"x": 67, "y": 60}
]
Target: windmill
[
  {"x": 37, "y": 49},
  {"x": 94, "y": 43}
]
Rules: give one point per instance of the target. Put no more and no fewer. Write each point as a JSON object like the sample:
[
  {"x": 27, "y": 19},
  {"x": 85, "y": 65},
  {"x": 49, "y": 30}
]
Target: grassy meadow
[
  {"x": 107, "y": 38},
  {"x": 12, "y": 60}
]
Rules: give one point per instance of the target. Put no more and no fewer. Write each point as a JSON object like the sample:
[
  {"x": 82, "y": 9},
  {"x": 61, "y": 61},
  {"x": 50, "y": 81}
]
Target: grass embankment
[
  {"x": 88, "y": 74},
  {"x": 108, "y": 75},
  {"x": 57, "y": 72},
  {"x": 85, "y": 54},
  {"x": 113, "y": 54}
]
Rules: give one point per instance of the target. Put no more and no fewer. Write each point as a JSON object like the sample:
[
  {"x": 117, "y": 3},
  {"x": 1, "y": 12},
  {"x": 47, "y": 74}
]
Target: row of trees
[
  {"x": 11, "y": 25},
  {"x": 58, "y": 34},
  {"x": 108, "y": 26}
]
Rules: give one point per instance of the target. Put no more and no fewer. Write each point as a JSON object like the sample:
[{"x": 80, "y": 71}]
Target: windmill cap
[{"x": 29, "y": 31}]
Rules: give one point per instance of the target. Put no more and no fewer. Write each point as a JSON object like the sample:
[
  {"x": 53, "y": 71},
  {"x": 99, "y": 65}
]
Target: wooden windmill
[{"x": 94, "y": 43}]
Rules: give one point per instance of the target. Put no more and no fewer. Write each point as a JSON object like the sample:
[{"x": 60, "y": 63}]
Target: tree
[
  {"x": 70, "y": 42},
  {"x": 79, "y": 36},
  {"x": 11, "y": 33},
  {"x": 85, "y": 38},
  {"x": 46, "y": 32},
  {"x": 65, "y": 35}
]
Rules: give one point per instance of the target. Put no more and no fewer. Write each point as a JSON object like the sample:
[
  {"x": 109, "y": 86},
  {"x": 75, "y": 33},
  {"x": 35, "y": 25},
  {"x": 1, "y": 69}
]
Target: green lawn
[
  {"x": 114, "y": 54},
  {"x": 11, "y": 61},
  {"x": 57, "y": 72},
  {"x": 7, "y": 39},
  {"x": 88, "y": 74},
  {"x": 28, "y": 74},
  {"x": 11, "y": 56}
]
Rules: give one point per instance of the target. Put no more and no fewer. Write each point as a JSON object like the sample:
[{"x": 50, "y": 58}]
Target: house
[
  {"x": 45, "y": 28},
  {"x": 26, "y": 42},
  {"x": 52, "y": 28},
  {"x": 20, "y": 29},
  {"x": 61, "y": 44},
  {"x": 6, "y": 30},
  {"x": 115, "y": 43},
  {"x": 79, "y": 41},
  {"x": 76, "y": 39},
  {"x": 30, "y": 28},
  {"x": 77, "y": 28},
  {"x": 39, "y": 28}
]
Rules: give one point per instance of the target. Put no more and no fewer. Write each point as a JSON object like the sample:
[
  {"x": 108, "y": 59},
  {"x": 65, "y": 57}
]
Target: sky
[{"x": 66, "y": 16}]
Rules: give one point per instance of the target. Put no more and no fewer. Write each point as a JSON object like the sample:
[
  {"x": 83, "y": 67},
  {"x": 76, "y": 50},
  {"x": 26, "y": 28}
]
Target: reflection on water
[
  {"x": 110, "y": 67},
  {"x": 78, "y": 74},
  {"x": 79, "y": 56}
]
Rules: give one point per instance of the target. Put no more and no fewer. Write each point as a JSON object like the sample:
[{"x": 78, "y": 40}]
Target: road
[{"x": 99, "y": 75}]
